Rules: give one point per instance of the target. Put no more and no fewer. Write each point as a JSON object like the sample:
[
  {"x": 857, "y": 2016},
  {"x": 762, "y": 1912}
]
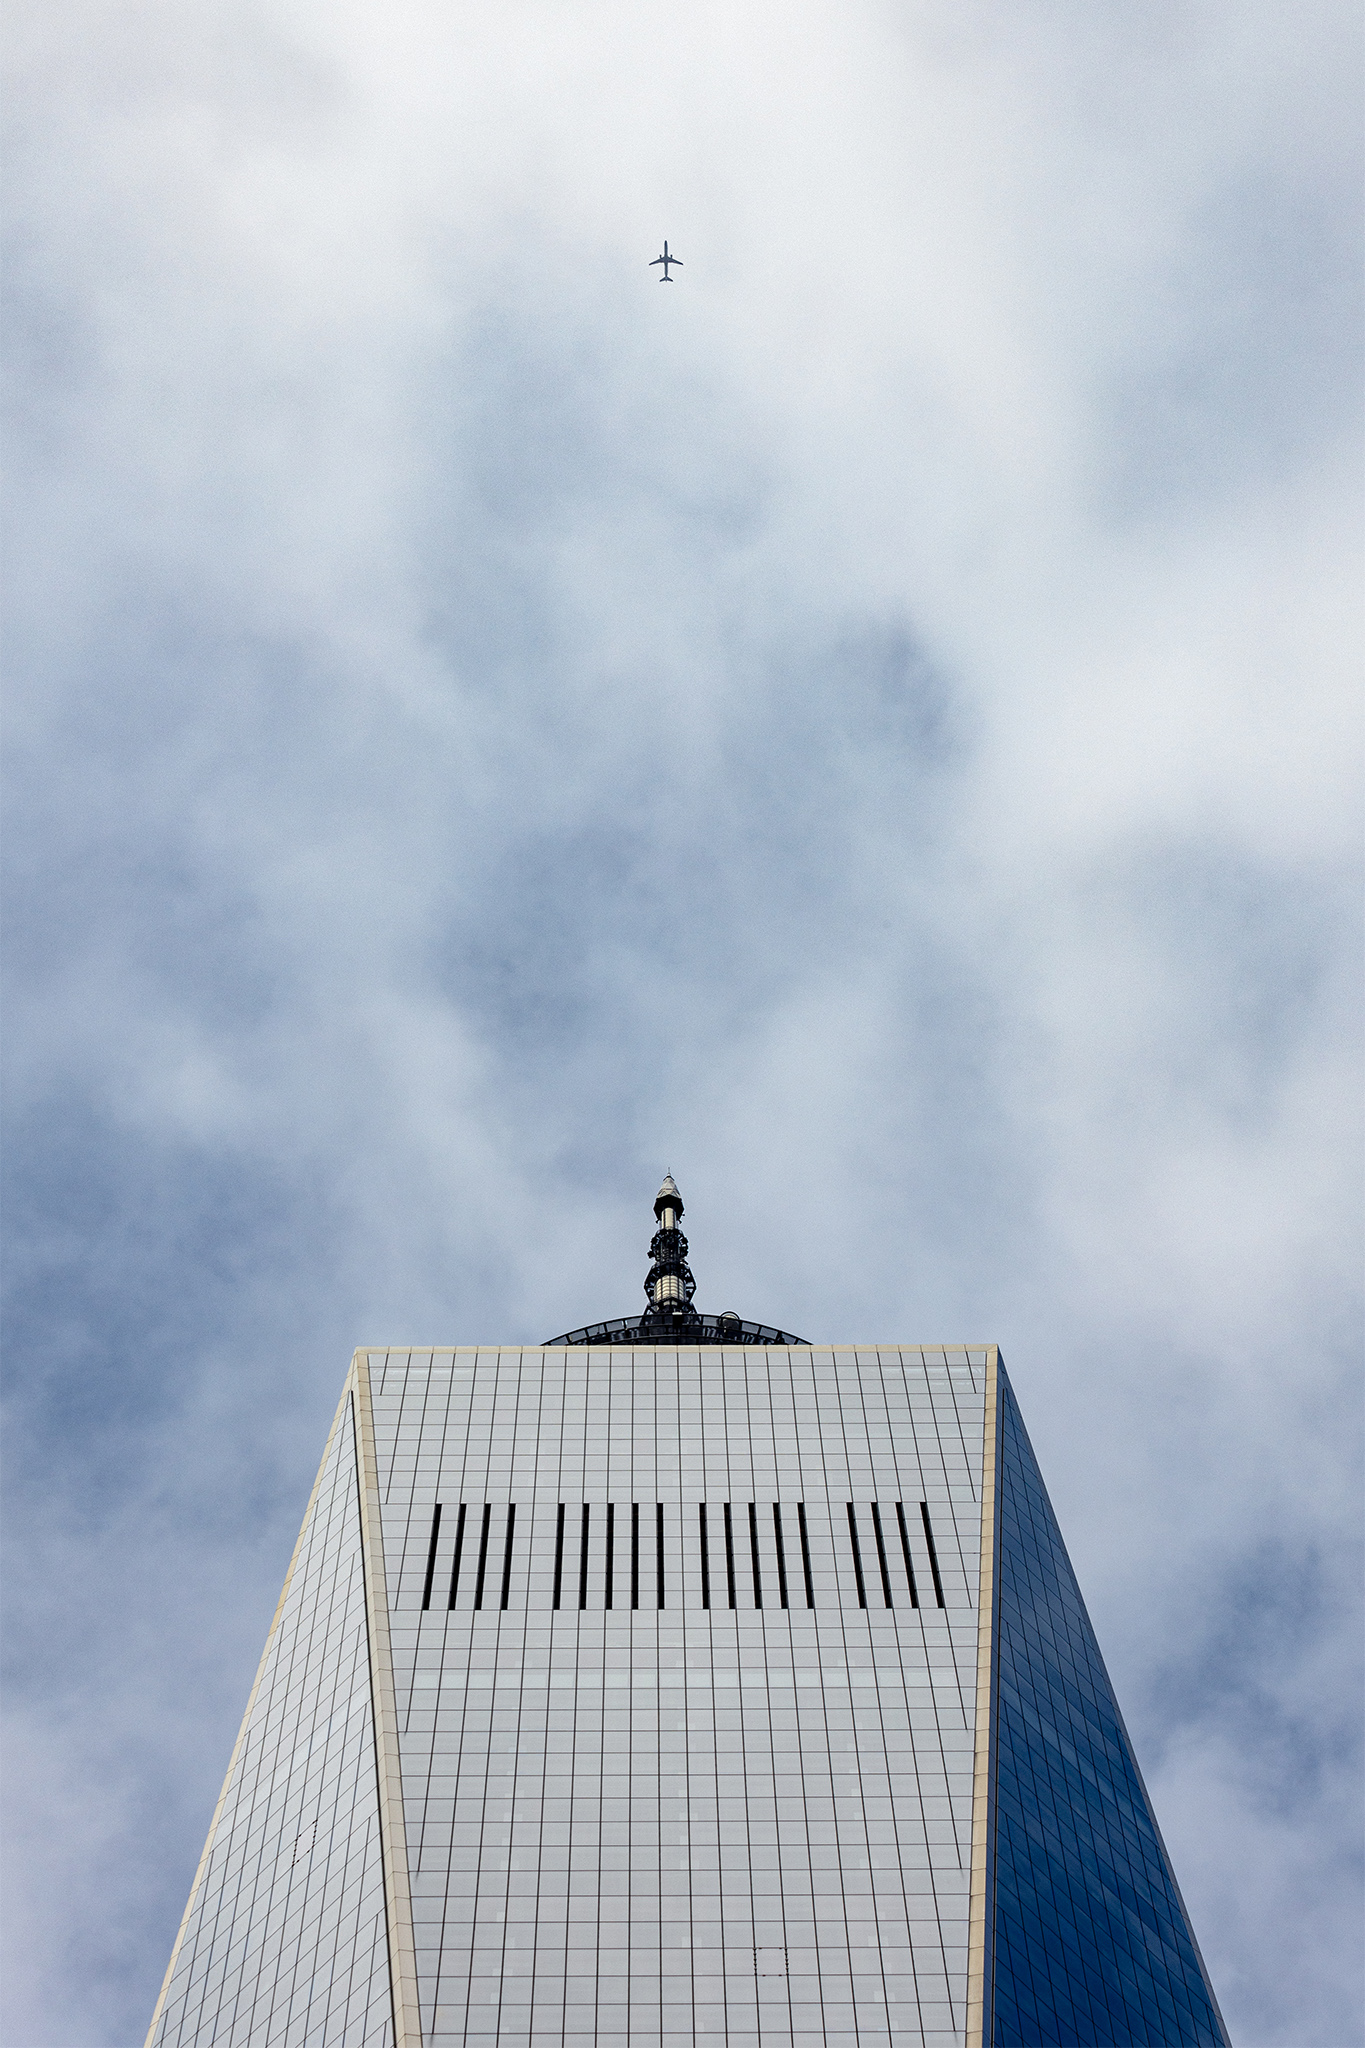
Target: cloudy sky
[{"x": 868, "y": 728}]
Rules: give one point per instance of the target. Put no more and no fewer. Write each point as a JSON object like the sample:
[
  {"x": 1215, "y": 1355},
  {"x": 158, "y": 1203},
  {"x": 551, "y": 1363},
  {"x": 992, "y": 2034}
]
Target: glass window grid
[
  {"x": 620, "y": 1819},
  {"x": 286, "y": 1937},
  {"x": 1091, "y": 1940},
  {"x": 735, "y": 1697}
]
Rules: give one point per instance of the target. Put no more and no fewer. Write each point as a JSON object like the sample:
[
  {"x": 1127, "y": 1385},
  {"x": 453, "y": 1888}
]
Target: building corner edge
[
  {"x": 983, "y": 1772},
  {"x": 246, "y": 1718},
  {"x": 407, "y": 2021}
]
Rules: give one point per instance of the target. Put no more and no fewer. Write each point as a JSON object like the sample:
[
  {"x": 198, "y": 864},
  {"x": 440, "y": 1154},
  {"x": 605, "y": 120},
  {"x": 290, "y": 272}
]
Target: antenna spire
[
  {"x": 670, "y": 1317},
  {"x": 669, "y": 1283}
]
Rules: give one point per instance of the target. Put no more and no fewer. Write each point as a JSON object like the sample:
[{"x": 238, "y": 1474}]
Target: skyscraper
[{"x": 680, "y": 1680}]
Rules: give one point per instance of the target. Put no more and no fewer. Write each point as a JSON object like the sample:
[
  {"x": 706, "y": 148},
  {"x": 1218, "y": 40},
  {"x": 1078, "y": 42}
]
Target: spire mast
[
  {"x": 669, "y": 1283},
  {"x": 670, "y": 1316}
]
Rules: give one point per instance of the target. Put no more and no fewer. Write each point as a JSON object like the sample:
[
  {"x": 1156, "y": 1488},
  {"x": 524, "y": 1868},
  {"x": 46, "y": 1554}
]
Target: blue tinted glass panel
[{"x": 1091, "y": 1941}]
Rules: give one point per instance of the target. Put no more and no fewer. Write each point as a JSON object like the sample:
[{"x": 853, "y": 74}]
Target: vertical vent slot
[
  {"x": 881, "y": 1552},
  {"x": 431, "y": 1557},
  {"x": 459, "y": 1552},
  {"x": 905, "y": 1553},
  {"x": 933, "y": 1554},
  {"x": 781, "y": 1555},
  {"x": 483, "y": 1555},
  {"x": 857, "y": 1555},
  {"x": 805, "y": 1552},
  {"x": 882, "y": 1537},
  {"x": 507, "y": 1554}
]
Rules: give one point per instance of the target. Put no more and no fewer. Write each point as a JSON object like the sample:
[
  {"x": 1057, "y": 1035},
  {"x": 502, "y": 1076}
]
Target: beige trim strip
[
  {"x": 246, "y": 1718},
  {"x": 407, "y": 2019},
  {"x": 382, "y": 1351},
  {"x": 985, "y": 1701}
]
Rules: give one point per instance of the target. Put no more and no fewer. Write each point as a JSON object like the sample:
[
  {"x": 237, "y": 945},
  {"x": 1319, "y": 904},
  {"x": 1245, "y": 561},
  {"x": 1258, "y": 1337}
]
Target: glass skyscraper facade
[{"x": 680, "y": 1680}]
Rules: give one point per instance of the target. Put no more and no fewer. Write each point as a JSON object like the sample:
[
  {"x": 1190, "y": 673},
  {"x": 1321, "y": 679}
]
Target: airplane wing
[{"x": 659, "y": 259}]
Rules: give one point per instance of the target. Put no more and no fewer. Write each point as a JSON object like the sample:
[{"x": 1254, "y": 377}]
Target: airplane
[{"x": 666, "y": 259}]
